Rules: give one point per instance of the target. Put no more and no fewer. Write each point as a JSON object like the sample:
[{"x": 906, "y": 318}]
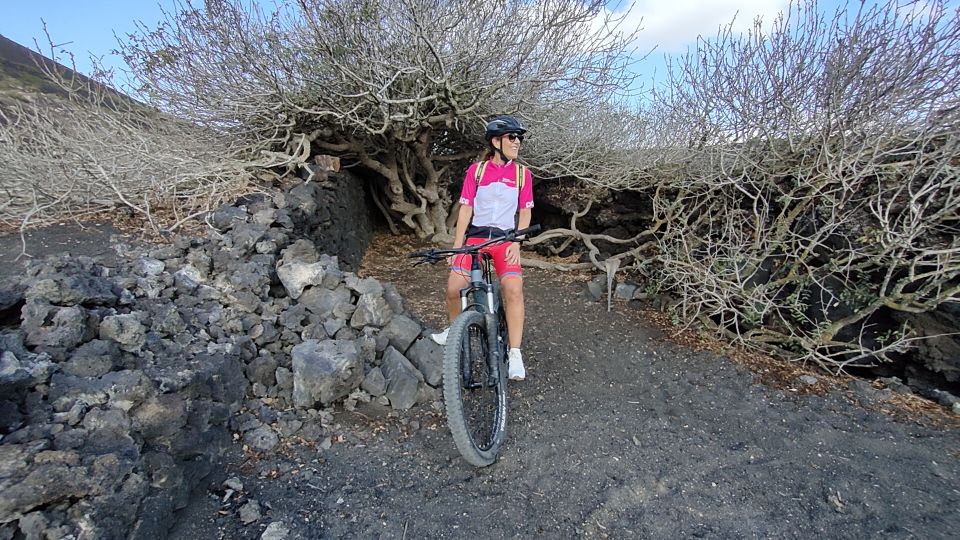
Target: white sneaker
[
  {"x": 441, "y": 338},
  {"x": 515, "y": 369}
]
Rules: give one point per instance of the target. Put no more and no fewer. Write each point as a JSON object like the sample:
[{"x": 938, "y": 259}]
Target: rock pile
[{"x": 119, "y": 387}]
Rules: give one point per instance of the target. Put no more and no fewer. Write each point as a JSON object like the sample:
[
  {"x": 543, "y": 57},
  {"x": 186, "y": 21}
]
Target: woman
[{"x": 488, "y": 207}]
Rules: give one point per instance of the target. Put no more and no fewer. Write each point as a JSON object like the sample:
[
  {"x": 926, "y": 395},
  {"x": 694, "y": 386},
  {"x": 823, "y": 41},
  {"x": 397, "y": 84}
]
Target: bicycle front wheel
[{"x": 474, "y": 390}]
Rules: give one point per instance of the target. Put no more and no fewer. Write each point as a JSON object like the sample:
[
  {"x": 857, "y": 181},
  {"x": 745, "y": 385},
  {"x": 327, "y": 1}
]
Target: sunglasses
[{"x": 514, "y": 137}]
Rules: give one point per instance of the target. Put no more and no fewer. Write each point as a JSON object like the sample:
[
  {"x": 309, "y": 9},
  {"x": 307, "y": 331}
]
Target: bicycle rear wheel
[{"x": 474, "y": 390}]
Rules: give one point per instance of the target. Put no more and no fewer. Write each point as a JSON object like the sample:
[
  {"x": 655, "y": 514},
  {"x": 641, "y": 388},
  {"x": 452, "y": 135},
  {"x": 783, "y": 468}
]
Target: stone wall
[
  {"x": 332, "y": 212},
  {"x": 122, "y": 386}
]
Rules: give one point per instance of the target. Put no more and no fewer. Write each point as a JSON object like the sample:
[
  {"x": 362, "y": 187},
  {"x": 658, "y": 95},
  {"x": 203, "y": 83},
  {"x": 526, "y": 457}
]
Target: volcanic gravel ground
[{"x": 617, "y": 432}]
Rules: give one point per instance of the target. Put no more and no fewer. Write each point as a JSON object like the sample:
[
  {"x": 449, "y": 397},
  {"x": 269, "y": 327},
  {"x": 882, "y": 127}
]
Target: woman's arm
[
  {"x": 513, "y": 250},
  {"x": 463, "y": 221},
  {"x": 523, "y": 220}
]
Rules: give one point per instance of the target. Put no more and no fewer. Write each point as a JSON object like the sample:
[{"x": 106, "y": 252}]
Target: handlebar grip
[{"x": 529, "y": 230}]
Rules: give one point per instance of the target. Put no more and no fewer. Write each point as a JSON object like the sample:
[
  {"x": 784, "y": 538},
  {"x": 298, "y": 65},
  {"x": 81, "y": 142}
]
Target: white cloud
[{"x": 672, "y": 25}]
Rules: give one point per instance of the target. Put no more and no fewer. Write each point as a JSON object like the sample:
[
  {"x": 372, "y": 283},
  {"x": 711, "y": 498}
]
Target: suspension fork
[
  {"x": 493, "y": 339},
  {"x": 477, "y": 283}
]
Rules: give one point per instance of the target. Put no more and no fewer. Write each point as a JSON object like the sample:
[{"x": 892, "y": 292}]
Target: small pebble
[
  {"x": 275, "y": 531},
  {"x": 233, "y": 483},
  {"x": 250, "y": 512},
  {"x": 326, "y": 443}
]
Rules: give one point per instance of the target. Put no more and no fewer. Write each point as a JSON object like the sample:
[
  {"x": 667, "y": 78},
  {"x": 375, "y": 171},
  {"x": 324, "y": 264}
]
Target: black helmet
[{"x": 502, "y": 125}]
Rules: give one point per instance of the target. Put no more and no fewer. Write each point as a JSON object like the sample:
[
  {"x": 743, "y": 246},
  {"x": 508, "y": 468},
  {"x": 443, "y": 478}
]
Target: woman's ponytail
[{"x": 486, "y": 155}]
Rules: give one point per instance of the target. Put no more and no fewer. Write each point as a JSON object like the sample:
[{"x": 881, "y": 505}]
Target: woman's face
[{"x": 511, "y": 149}]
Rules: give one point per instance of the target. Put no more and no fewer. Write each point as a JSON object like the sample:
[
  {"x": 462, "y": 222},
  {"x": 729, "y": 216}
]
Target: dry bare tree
[
  {"x": 814, "y": 183},
  {"x": 397, "y": 87}
]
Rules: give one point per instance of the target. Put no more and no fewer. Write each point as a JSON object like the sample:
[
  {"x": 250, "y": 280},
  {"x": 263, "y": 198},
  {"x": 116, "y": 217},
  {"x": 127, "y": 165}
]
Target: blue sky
[
  {"x": 87, "y": 27},
  {"x": 84, "y": 27}
]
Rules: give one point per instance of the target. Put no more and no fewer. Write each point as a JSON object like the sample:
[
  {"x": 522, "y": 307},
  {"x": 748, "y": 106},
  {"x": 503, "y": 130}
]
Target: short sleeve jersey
[{"x": 495, "y": 200}]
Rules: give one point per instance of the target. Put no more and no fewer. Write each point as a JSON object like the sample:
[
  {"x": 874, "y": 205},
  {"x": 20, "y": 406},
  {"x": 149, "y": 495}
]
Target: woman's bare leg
[
  {"x": 512, "y": 287},
  {"x": 455, "y": 282}
]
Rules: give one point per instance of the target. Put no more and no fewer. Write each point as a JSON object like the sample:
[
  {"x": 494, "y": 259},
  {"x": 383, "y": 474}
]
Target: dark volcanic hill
[{"x": 20, "y": 74}]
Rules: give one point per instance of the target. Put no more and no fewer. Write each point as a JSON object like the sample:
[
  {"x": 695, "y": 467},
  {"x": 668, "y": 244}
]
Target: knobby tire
[{"x": 477, "y": 417}]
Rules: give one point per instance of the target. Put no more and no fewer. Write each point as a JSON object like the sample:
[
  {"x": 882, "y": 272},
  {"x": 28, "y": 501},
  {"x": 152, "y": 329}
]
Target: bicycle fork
[
  {"x": 487, "y": 307},
  {"x": 494, "y": 342},
  {"x": 477, "y": 283},
  {"x": 495, "y": 352}
]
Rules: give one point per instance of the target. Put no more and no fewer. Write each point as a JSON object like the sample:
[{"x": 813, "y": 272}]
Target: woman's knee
[
  {"x": 512, "y": 290},
  {"x": 454, "y": 284}
]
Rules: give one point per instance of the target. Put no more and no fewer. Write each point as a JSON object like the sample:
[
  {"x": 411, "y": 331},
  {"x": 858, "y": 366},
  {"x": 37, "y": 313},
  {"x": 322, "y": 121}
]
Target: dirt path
[{"x": 617, "y": 432}]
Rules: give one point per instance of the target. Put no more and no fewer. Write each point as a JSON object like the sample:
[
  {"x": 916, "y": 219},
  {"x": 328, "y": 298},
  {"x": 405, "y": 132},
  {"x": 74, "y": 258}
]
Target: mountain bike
[{"x": 475, "y": 356}]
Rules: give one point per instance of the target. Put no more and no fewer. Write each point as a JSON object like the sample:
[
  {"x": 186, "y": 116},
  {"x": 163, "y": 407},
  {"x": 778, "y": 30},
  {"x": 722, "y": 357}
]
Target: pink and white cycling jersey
[{"x": 495, "y": 200}]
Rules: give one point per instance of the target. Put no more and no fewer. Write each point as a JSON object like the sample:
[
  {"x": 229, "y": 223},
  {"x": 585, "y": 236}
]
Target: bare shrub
[
  {"x": 89, "y": 149},
  {"x": 814, "y": 181}
]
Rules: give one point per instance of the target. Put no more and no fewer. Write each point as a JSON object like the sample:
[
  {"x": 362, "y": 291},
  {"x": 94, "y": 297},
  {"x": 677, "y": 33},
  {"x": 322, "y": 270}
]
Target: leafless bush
[
  {"x": 90, "y": 149},
  {"x": 815, "y": 184},
  {"x": 399, "y": 87}
]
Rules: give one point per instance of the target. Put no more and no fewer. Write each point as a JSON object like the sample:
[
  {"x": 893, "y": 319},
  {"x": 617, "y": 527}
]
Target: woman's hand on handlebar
[
  {"x": 513, "y": 250},
  {"x": 452, "y": 257},
  {"x": 513, "y": 253}
]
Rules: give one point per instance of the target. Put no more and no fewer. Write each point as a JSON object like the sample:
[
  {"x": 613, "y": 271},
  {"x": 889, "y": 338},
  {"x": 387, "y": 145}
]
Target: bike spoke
[{"x": 480, "y": 397}]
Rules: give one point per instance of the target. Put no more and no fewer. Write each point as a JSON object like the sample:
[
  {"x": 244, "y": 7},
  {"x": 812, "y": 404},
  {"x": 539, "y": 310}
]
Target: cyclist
[{"x": 487, "y": 208}]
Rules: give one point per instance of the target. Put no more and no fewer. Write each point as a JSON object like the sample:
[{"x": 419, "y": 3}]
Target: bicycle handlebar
[{"x": 433, "y": 256}]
